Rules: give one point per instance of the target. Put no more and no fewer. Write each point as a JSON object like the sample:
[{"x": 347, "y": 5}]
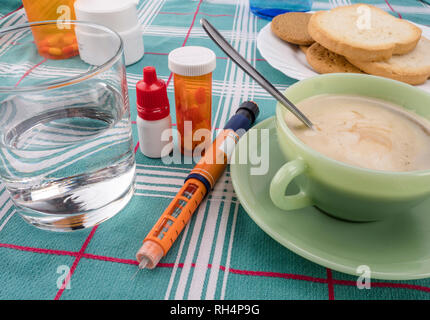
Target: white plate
[{"x": 291, "y": 61}]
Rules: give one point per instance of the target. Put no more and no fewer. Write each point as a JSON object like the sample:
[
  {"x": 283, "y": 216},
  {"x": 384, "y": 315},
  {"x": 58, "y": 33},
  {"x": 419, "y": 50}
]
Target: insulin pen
[{"x": 198, "y": 183}]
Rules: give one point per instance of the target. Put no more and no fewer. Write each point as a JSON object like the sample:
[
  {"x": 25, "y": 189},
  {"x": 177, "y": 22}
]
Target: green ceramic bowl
[{"x": 342, "y": 190}]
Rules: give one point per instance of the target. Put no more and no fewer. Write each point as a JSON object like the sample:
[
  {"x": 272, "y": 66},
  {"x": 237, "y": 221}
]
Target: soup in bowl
[{"x": 369, "y": 156}]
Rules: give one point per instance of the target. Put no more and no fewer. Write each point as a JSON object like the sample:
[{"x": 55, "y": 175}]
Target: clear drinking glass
[{"x": 66, "y": 147}]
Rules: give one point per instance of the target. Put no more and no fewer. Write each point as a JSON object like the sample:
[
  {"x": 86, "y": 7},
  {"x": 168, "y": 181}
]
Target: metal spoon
[{"x": 252, "y": 72}]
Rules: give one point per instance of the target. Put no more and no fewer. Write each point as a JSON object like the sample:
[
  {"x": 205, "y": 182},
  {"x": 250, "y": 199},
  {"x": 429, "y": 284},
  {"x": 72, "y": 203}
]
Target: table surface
[{"x": 222, "y": 254}]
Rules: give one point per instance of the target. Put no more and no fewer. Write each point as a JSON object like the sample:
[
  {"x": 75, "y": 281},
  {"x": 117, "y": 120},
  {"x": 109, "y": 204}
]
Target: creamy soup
[{"x": 364, "y": 132}]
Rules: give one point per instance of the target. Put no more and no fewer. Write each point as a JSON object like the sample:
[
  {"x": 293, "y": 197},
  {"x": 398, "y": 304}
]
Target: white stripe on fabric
[
  {"x": 4, "y": 196},
  {"x": 197, "y": 33},
  {"x": 177, "y": 261},
  {"x": 200, "y": 272},
  {"x": 183, "y": 278},
  {"x": 149, "y": 12},
  {"x": 207, "y": 241},
  {"x": 5, "y": 206},
  {"x": 201, "y": 264},
  {"x": 248, "y": 93},
  {"x": 7, "y": 219},
  {"x": 7, "y": 40},
  {"x": 229, "y": 250}
]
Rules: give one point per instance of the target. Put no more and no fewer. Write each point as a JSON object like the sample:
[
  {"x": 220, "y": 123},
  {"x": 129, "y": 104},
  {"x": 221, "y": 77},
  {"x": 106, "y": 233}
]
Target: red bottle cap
[{"x": 152, "y": 101}]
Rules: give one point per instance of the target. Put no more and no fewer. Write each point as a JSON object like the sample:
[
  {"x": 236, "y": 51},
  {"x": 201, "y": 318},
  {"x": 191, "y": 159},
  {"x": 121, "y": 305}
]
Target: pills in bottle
[
  {"x": 192, "y": 68},
  {"x": 153, "y": 115}
]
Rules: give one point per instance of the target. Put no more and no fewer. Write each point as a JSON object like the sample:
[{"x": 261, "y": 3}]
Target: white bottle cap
[
  {"x": 120, "y": 16},
  {"x": 192, "y": 61}
]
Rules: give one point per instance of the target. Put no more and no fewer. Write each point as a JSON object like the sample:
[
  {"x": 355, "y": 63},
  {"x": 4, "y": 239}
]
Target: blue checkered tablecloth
[{"x": 222, "y": 254}]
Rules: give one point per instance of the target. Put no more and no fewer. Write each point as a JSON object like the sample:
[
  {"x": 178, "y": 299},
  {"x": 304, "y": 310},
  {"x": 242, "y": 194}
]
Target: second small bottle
[{"x": 192, "y": 68}]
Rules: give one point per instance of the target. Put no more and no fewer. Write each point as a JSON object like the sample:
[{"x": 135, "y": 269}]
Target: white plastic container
[
  {"x": 151, "y": 134},
  {"x": 118, "y": 15}
]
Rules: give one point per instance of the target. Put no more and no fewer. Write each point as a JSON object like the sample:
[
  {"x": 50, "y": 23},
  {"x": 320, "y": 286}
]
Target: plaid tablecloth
[{"x": 222, "y": 254}]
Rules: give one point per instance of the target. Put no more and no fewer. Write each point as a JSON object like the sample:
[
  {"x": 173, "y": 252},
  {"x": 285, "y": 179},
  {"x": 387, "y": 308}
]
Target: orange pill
[
  {"x": 69, "y": 39},
  {"x": 53, "y": 40},
  {"x": 55, "y": 51},
  {"x": 44, "y": 49},
  {"x": 200, "y": 95},
  {"x": 68, "y": 50}
]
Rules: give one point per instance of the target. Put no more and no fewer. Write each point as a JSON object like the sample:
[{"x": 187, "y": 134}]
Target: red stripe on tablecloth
[
  {"x": 330, "y": 284},
  {"x": 392, "y": 9},
  {"x": 8, "y": 14},
  {"x": 29, "y": 71},
  {"x": 192, "y": 23},
  {"x": 275, "y": 275},
  {"x": 75, "y": 263},
  {"x": 109, "y": 259},
  {"x": 39, "y": 250},
  {"x": 136, "y": 147},
  {"x": 292, "y": 276},
  {"x": 384, "y": 285}
]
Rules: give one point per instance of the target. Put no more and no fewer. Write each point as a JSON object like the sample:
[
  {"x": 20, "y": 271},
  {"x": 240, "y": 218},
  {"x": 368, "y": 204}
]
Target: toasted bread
[
  {"x": 342, "y": 31},
  {"x": 412, "y": 68}
]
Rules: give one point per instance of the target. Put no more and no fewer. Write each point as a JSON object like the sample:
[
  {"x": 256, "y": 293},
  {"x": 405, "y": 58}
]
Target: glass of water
[{"x": 66, "y": 149}]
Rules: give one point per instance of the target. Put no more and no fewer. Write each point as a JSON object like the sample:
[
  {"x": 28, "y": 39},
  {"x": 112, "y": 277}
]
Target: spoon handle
[{"x": 251, "y": 71}]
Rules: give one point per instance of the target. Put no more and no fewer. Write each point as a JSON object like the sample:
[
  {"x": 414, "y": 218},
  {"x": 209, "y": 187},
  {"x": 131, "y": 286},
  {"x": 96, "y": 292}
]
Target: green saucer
[{"x": 395, "y": 249}]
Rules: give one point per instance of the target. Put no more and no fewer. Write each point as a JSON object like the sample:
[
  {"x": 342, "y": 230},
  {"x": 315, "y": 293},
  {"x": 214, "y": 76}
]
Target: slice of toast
[
  {"x": 363, "y": 32},
  {"x": 323, "y": 60},
  {"x": 412, "y": 68}
]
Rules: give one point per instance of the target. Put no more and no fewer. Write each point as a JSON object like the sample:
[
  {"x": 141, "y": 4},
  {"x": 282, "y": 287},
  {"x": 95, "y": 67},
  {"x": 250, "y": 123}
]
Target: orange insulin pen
[{"x": 197, "y": 185}]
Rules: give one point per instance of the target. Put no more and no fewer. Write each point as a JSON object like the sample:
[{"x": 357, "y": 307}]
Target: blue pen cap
[{"x": 245, "y": 116}]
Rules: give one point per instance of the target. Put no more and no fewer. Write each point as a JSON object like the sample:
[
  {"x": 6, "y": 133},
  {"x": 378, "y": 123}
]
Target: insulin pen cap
[
  {"x": 250, "y": 108},
  {"x": 152, "y": 101},
  {"x": 244, "y": 117},
  {"x": 192, "y": 61}
]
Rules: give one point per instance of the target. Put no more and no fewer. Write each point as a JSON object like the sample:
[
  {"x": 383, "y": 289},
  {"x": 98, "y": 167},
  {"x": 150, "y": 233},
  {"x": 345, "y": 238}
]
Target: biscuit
[
  {"x": 323, "y": 60},
  {"x": 293, "y": 27}
]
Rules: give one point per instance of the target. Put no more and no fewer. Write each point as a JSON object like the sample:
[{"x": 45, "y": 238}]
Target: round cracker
[
  {"x": 293, "y": 27},
  {"x": 323, "y": 60}
]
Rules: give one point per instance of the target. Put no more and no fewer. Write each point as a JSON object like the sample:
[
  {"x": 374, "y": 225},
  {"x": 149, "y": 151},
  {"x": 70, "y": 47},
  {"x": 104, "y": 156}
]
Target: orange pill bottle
[
  {"x": 192, "y": 68},
  {"x": 53, "y": 41}
]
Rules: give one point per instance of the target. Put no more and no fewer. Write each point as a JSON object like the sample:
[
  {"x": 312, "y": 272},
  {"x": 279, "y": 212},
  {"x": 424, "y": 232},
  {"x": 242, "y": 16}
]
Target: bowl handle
[{"x": 279, "y": 185}]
